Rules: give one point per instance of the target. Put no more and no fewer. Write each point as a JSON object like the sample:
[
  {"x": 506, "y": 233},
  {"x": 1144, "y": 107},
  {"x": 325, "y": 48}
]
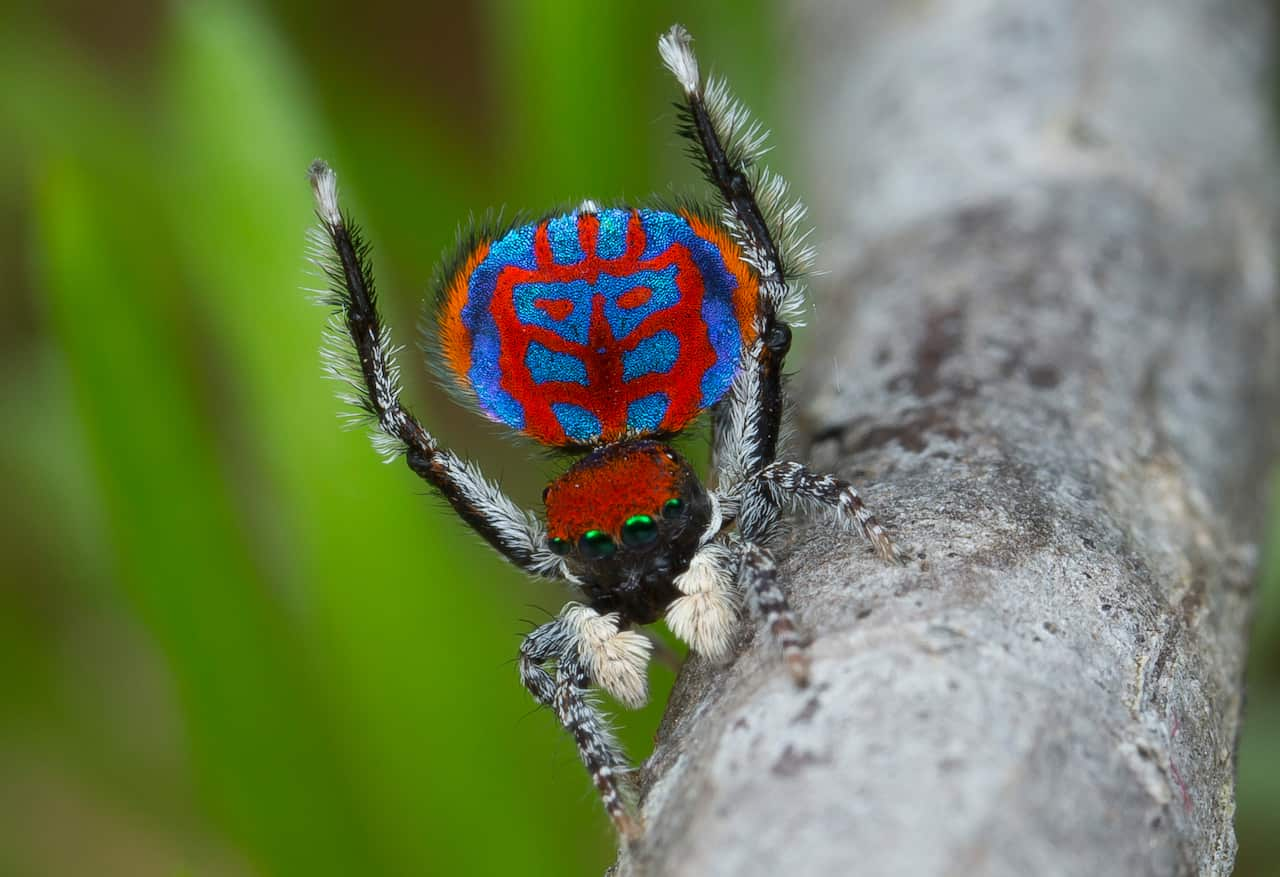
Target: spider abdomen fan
[{"x": 599, "y": 324}]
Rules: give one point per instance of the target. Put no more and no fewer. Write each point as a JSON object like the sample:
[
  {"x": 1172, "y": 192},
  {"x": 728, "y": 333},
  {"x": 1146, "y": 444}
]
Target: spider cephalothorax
[
  {"x": 606, "y": 331},
  {"x": 627, "y": 519}
]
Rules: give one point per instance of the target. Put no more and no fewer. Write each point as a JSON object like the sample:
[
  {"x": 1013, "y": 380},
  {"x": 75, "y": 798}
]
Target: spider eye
[
  {"x": 673, "y": 508},
  {"x": 597, "y": 544},
  {"x": 558, "y": 546},
  {"x": 639, "y": 530}
]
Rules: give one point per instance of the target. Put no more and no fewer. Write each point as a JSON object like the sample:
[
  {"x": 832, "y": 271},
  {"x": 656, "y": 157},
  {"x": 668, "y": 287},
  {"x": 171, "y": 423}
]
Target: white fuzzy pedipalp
[
  {"x": 710, "y": 570},
  {"x": 706, "y": 621},
  {"x": 618, "y": 660},
  {"x": 706, "y": 617}
]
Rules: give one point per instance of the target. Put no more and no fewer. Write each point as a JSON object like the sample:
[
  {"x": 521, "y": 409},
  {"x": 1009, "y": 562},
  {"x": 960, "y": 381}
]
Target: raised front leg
[
  {"x": 769, "y": 226},
  {"x": 360, "y": 354}
]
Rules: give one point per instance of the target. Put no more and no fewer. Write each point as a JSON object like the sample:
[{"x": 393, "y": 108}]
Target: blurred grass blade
[
  {"x": 386, "y": 582},
  {"x": 257, "y": 736}
]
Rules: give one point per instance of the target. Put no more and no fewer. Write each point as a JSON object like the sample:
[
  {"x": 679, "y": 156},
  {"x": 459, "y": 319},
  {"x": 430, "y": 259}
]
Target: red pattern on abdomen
[{"x": 605, "y": 395}]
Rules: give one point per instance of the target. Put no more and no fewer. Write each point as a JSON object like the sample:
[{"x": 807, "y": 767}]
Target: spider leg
[
  {"x": 765, "y": 222},
  {"x": 775, "y": 485},
  {"x": 360, "y": 353},
  {"x": 729, "y": 146},
  {"x": 575, "y": 653},
  {"x": 759, "y": 575},
  {"x": 792, "y": 482},
  {"x": 757, "y": 520}
]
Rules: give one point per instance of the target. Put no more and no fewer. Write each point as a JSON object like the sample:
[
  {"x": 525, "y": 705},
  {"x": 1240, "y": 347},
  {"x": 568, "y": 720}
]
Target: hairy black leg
[
  {"x": 566, "y": 694},
  {"x": 759, "y": 576},
  {"x": 601, "y": 755},
  {"x": 362, "y": 355},
  {"x": 793, "y": 483},
  {"x": 729, "y": 147},
  {"x": 544, "y": 643}
]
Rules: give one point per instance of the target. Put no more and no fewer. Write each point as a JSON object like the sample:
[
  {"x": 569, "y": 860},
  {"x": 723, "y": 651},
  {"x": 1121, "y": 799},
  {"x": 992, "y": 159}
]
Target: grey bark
[{"x": 1047, "y": 349}]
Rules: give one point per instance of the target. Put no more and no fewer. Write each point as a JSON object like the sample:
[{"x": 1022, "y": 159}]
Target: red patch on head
[{"x": 602, "y": 490}]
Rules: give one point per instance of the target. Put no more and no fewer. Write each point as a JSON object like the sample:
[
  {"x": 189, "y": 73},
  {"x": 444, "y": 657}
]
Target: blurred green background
[{"x": 204, "y": 669}]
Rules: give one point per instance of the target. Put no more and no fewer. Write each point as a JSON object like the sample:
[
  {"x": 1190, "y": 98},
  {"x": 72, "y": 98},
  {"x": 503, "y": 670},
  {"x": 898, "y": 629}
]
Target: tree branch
[{"x": 1048, "y": 350}]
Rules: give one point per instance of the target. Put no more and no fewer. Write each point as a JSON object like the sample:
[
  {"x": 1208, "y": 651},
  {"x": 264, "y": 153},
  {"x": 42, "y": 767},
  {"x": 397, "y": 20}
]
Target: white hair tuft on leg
[
  {"x": 324, "y": 182},
  {"x": 706, "y": 617},
  {"x": 676, "y": 48}
]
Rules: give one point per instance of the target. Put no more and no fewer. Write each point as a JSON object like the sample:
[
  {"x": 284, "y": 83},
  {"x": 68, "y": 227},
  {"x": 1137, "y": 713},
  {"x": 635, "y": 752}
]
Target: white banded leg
[
  {"x": 599, "y": 751},
  {"x": 759, "y": 575},
  {"x": 566, "y": 694},
  {"x": 792, "y": 483}
]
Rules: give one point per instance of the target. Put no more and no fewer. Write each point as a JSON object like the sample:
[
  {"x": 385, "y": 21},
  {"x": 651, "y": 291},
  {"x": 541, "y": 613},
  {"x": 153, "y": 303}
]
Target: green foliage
[
  {"x": 236, "y": 643},
  {"x": 1258, "y": 790}
]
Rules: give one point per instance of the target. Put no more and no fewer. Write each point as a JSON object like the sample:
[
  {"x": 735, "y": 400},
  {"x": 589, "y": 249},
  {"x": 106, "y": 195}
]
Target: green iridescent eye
[
  {"x": 673, "y": 508},
  {"x": 597, "y": 544},
  {"x": 558, "y": 546},
  {"x": 639, "y": 530}
]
